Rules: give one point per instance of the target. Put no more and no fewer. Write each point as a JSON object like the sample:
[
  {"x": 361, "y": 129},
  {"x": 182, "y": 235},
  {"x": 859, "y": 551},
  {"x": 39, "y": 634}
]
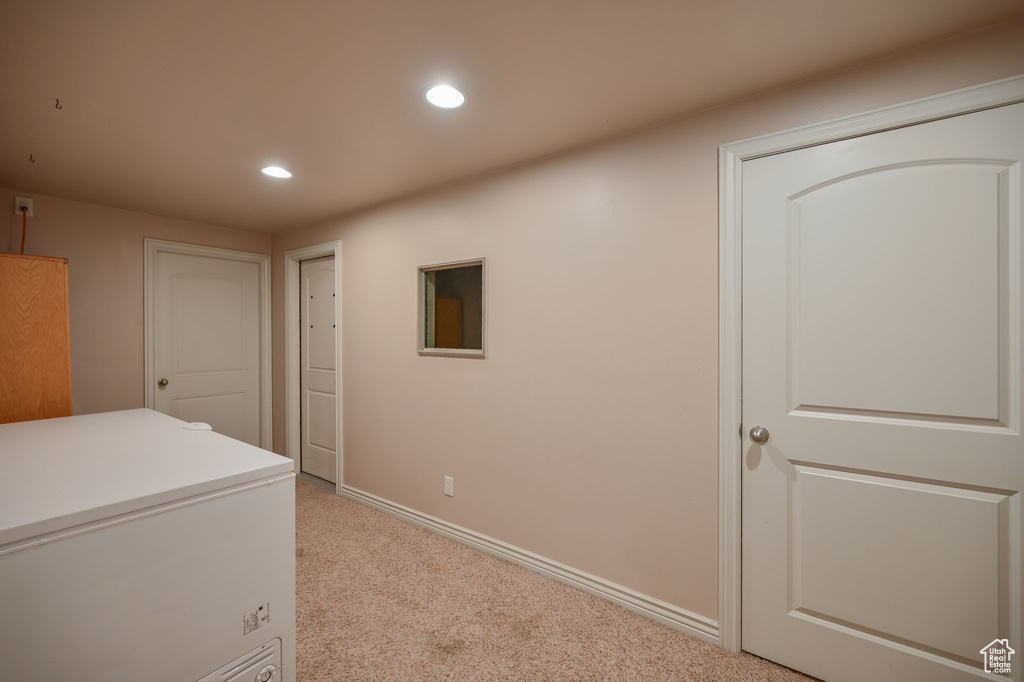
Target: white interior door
[
  {"x": 319, "y": 405},
  {"x": 882, "y": 351},
  {"x": 206, "y": 327}
]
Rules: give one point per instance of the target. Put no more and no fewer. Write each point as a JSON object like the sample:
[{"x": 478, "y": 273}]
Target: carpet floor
[{"x": 382, "y": 599}]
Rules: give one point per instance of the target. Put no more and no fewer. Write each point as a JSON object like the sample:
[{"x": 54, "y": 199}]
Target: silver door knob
[
  {"x": 759, "y": 435},
  {"x": 162, "y": 383}
]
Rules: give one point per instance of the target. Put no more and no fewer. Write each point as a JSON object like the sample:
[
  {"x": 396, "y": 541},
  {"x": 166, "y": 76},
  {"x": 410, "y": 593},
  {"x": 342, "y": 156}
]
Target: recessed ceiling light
[
  {"x": 445, "y": 96},
  {"x": 276, "y": 172}
]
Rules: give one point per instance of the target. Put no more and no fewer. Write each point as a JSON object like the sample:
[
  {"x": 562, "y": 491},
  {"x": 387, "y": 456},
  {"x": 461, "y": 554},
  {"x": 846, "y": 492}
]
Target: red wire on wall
[{"x": 24, "y": 227}]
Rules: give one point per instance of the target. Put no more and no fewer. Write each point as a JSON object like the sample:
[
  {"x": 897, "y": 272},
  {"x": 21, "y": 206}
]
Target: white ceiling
[{"x": 172, "y": 106}]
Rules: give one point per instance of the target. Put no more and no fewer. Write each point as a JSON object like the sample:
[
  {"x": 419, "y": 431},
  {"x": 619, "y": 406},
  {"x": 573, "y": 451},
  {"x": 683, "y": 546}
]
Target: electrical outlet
[
  {"x": 449, "y": 486},
  {"x": 22, "y": 201}
]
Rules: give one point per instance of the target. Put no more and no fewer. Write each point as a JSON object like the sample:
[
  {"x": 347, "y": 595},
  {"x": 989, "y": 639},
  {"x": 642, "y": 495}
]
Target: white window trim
[{"x": 421, "y": 312}]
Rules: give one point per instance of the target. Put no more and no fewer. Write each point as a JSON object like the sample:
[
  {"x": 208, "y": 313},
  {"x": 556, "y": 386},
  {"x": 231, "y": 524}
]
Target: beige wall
[
  {"x": 589, "y": 433},
  {"x": 104, "y": 247}
]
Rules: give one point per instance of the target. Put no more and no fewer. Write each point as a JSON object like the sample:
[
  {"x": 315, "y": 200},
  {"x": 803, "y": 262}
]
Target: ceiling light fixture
[
  {"x": 445, "y": 96},
  {"x": 276, "y": 172}
]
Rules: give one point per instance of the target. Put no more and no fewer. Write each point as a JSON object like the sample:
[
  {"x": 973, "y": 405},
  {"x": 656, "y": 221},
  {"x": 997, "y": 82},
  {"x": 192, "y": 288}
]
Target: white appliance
[{"x": 135, "y": 547}]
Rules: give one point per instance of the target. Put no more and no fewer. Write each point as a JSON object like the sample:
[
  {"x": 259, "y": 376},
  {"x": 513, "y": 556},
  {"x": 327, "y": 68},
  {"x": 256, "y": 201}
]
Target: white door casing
[
  {"x": 293, "y": 342},
  {"x": 207, "y": 335},
  {"x": 881, "y": 348},
  {"x": 318, "y": 452}
]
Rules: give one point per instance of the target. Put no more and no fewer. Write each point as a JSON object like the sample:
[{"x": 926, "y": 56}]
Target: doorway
[
  {"x": 872, "y": 322},
  {"x": 318, "y": 406},
  {"x": 313, "y": 394},
  {"x": 207, "y": 337}
]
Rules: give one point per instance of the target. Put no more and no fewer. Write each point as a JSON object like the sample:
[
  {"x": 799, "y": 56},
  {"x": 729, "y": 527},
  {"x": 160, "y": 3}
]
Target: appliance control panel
[{"x": 262, "y": 664}]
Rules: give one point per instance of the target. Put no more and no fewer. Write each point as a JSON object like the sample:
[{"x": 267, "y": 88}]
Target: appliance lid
[{"x": 60, "y": 473}]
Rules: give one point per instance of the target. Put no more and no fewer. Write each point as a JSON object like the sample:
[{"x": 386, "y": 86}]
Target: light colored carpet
[{"x": 381, "y": 599}]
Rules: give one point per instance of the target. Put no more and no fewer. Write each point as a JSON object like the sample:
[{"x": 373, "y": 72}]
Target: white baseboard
[{"x": 667, "y": 614}]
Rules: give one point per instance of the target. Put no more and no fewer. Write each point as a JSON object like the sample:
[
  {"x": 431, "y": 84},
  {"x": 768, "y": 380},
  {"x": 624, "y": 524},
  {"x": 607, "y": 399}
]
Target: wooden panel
[
  {"x": 35, "y": 338},
  {"x": 448, "y": 322}
]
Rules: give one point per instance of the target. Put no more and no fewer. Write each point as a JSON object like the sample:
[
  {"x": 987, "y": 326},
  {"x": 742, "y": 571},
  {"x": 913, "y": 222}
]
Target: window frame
[{"x": 421, "y": 307}]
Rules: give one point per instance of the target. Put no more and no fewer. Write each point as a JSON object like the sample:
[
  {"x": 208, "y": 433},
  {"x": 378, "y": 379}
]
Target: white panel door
[
  {"x": 882, "y": 351},
  {"x": 207, "y": 342},
  {"x": 319, "y": 405}
]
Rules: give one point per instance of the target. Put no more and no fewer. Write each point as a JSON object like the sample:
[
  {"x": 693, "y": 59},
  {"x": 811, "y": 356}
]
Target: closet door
[{"x": 319, "y": 455}]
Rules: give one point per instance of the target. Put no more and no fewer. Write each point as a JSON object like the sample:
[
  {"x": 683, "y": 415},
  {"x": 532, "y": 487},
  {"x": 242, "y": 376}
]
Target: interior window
[{"x": 452, "y": 303}]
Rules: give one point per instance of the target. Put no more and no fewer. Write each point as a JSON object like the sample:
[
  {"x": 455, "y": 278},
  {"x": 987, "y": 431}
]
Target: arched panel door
[{"x": 882, "y": 355}]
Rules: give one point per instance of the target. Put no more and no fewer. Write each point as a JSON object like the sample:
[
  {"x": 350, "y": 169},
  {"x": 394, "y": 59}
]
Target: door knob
[
  {"x": 162, "y": 383},
  {"x": 759, "y": 435}
]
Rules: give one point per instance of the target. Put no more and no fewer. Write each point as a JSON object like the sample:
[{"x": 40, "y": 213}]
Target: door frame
[
  {"x": 292, "y": 344},
  {"x": 156, "y": 246},
  {"x": 730, "y": 292}
]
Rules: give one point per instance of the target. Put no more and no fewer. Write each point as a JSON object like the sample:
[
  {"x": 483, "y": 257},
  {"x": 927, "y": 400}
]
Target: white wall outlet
[
  {"x": 449, "y": 486},
  {"x": 22, "y": 201}
]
